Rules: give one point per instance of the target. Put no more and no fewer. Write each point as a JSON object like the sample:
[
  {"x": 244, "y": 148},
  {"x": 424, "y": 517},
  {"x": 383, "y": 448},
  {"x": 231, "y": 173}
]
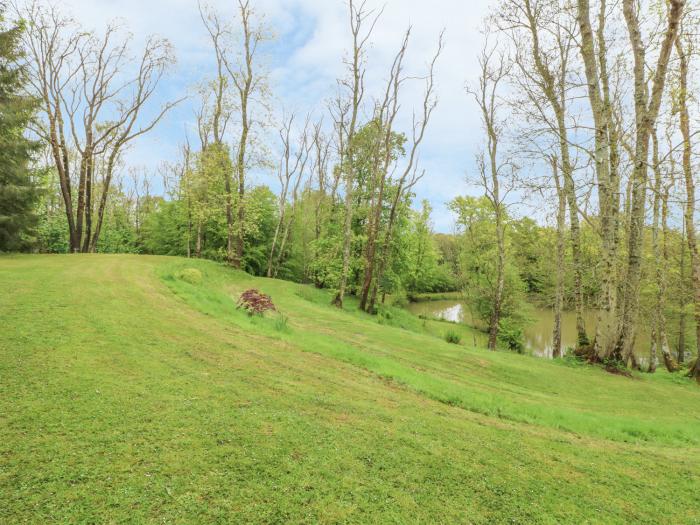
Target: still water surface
[{"x": 537, "y": 334}]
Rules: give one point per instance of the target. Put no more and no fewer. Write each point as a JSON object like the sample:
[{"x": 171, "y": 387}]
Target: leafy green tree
[
  {"x": 478, "y": 259},
  {"x": 533, "y": 247},
  {"x": 164, "y": 229},
  {"x": 119, "y": 233},
  {"x": 422, "y": 256},
  {"x": 18, "y": 191},
  {"x": 259, "y": 228}
]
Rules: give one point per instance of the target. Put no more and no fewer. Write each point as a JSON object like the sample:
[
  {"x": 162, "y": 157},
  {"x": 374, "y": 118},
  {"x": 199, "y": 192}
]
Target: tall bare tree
[
  {"x": 593, "y": 50},
  {"x": 408, "y": 176},
  {"x": 684, "y": 50},
  {"x": 346, "y": 120},
  {"x": 290, "y": 174},
  {"x": 249, "y": 83},
  {"x": 493, "y": 70},
  {"x": 90, "y": 106},
  {"x": 384, "y": 118},
  {"x": 217, "y": 116},
  {"x": 541, "y": 73},
  {"x": 646, "y": 110}
]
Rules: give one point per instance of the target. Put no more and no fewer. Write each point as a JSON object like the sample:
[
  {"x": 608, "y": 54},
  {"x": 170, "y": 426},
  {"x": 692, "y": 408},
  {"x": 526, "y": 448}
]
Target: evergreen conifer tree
[{"x": 18, "y": 190}]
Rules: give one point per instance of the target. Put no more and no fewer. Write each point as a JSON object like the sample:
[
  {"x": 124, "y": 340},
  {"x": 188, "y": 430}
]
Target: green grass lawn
[{"x": 129, "y": 395}]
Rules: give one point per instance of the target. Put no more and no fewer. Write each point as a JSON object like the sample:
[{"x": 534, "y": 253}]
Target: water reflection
[{"x": 537, "y": 334}]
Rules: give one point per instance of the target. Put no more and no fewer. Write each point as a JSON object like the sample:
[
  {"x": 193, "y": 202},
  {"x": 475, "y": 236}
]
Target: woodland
[
  {"x": 588, "y": 113},
  {"x": 272, "y": 322}
]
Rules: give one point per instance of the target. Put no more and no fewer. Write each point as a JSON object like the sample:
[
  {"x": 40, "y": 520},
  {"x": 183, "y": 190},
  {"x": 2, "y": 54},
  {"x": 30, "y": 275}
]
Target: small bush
[
  {"x": 510, "y": 334},
  {"x": 385, "y": 313},
  {"x": 400, "y": 300},
  {"x": 255, "y": 302},
  {"x": 453, "y": 337},
  {"x": 616, "y": 367},
  {"x": 190, "y": 275}
]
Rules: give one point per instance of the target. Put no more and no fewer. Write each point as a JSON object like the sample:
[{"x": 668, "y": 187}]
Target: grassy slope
[{"x": 129, "y": 395}]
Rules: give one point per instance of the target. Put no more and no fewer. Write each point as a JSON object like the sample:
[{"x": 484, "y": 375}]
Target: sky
[{"x": 305, "y": 59}]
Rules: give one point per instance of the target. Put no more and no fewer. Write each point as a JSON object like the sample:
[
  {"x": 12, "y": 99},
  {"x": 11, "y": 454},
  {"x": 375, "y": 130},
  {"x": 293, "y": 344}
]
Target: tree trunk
[
  {"x": 372, "y": 238},
  {"x": 80, "y": 210},
  {"x": 555, "y": 90},
  {"x": 606, "y": 327},
  {"x": 561, "y": 252},
  {"x": 369, "y": 266},
  {"x": 690, "y": 194},
  {"x": 244, "y": 84},
  {"x": 198, "y": 243},
  {"x": 347, "y": 240},
  {"x": 277, "y": 232},
  {"x": 500, "y": 277},
  {"x": 88, "y": 202},
  {"x": 189, "y": 212},
  {"x": 103, "y": 198},
  {"x": 229, "y": 219},
  {"x": 646, "y": 112},
  {"x": 240, "y": 229},
  {"x": 681, "y": 299},
  {"x": 661, "y": 256},
  {"x": 656, "y": 249},
  {"x": 357, "y": 17},
  {"x": 60, "y": 156}
]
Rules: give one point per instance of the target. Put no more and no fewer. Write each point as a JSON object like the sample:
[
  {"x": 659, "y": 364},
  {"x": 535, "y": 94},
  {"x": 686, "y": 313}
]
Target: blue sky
[{"x": 303, "y": 62}]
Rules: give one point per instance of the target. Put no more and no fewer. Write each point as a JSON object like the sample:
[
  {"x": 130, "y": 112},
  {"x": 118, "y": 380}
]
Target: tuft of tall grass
[{"x": 453, "y": 337}]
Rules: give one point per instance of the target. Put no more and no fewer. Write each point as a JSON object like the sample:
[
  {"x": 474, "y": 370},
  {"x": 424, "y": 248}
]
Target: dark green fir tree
[{"x": 18, "y": 190}]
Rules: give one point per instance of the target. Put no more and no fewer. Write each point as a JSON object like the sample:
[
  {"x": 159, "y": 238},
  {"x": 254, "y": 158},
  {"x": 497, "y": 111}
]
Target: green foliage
[
  {"x": 424, "y": 271},
  {"x": 453, "y": 337},
  {"x": 533, "y": 247},
  {"x": 326, "y": 265},
  {"x": 510, "y": 334},
  {"x": 165, "y": 230},
  {"x": 52, "y": 232},
  {"x": 170, "y": 226},
  {"x": 478, "y": 259},
  {"x": 19, "y": 191},
  {"x": 190, "y": 275},
  {"x": 261, "y": 219},
  {"x": 118, "y": 234},
  {"x": 399, "y": 300}
]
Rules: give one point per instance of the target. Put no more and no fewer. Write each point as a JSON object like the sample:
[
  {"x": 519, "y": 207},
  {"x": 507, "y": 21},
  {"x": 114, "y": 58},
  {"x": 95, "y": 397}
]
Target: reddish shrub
[{"x": 255, "y": 302}]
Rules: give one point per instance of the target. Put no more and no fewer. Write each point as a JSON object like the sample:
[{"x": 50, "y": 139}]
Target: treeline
[
  {"x": 589, "y": 103},
  {"x": 586, "y": 113},
  {"x": 141, "y": 223},
  {"x": 342, "y": 216}
]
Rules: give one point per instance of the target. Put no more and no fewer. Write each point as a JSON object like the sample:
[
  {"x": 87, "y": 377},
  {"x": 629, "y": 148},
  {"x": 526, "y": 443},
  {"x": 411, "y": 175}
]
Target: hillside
[{"x": 128, "y": 394}]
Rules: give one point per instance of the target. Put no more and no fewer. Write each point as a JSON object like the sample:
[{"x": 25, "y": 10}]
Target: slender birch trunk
[
  {"x": 646, "y": 104},
  {"x": 689, "y": 215},
  {"x": 681, "y": 299},
  {"x": 656, "y": 249},
  {"x": 561, "y": 253},
  {"x": 606, "y": 326},
  {"x": 553, "y": 86},
  {"x": 356, "y": 87},
  {"x": 198, "y": 242}
]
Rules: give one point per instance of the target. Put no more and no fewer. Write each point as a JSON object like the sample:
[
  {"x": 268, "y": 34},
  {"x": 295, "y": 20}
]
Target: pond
[{"x": 537, "y": 334}]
